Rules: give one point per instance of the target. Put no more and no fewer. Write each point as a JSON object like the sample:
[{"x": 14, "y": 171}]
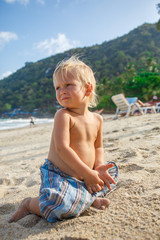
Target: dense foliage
[
  {"x": 128, "y": 64},
  {"x": 158, "y": 23}
]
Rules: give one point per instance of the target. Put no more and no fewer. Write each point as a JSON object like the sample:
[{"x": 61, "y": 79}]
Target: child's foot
[
  {"x": 101, "y": 203},
  {"x": 22, "y": 211}
]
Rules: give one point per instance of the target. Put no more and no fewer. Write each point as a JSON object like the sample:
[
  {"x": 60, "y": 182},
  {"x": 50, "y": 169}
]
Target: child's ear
[{"x": 89, "y": 89}]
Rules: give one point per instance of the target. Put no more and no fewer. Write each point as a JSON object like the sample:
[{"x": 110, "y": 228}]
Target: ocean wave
[{"x": 20, "y": 122}]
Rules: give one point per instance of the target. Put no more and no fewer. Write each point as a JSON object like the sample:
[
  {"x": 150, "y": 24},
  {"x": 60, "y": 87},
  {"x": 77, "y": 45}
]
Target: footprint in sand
[
  {"x": 89, "y": 212},
  {"x": 154, "y": 153},
  {"x": 133, "y": 139},
  {"x": 29, "y": 221},
  {"x": 145, "y": 149},
  {"x": 6, "y": 181},
  {"x": 151, "y": 132},
  {"x": 125, "y": 183},
  {"x": 6, "y": 209},
  {"x": 31, "y": 183},
  {"x": 157, "y": 129},
  {"x": 132, "y": 167},
  {"x": 10, "y": 182},
  {"x": 114, "y": 131},
  {"x": 112, "y": 139},
  {"x": 124, "y": 161},
  {"x": 128, "y": 154},
  {"x": 150, "y": 170},
  {"x": 113, "y": 149},
  {"x": 108, "y": 145},
  {"x": 18, "y": 181},
  {"x": 73, "y": 238}
]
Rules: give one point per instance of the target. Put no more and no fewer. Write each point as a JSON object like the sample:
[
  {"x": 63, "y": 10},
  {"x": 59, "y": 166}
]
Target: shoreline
[
  {"x": 133, "y": 143},
  {"x": 38, "y": 121},
  {"x": 7, "y": 124}
]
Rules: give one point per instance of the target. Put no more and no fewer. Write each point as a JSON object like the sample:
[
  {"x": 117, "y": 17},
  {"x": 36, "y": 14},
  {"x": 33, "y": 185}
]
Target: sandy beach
[{"x": 134, "y": 213}]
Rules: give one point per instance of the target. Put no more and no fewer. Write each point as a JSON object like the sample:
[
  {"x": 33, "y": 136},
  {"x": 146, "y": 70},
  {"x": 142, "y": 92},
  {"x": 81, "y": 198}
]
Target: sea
[{"x": 21, "y": 122}]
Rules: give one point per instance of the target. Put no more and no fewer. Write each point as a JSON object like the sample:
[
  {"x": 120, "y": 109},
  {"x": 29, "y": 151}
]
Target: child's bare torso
[{"x": 83, "y": 134}]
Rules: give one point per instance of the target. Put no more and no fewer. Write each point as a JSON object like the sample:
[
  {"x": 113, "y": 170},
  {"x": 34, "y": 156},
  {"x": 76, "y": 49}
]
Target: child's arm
[
  {"x": 99, "y": 151},
  {"x": 99, "y": 166},
  {"x": 69, "y": 156}
]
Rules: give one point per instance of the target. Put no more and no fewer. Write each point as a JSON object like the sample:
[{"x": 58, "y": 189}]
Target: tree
[
  {"x": 158, "y": 23},
  {"x": 7, "y": 106},
  {"x": 144, "y": 85}
]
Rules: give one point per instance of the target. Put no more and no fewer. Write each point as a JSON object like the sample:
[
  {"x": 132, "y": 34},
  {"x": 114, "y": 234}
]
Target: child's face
[{"x": 70, "y": 92}]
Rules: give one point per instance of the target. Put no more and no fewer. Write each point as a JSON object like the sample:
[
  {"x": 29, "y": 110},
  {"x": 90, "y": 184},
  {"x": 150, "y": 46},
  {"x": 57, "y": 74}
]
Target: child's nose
[{"x": 63, "y": 90}]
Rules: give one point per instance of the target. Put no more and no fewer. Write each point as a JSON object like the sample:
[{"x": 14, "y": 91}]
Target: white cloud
[
  {"x": 56, "y": 45},
  {"x": 6, "y": 37},
  {"x": 24, "y": 2},
  {"x": 41, "y": 1},
  {"x": 6, "y": 74}
]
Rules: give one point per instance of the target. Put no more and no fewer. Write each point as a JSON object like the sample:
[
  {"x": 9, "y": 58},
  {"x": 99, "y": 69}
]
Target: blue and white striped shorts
[{"x": 62, "y": 196}]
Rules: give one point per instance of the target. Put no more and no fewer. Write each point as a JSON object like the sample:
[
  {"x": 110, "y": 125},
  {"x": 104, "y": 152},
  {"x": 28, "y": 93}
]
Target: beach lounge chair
[
  {"x": 146, "y": 109},
  {"x": 125, "y": 106},
  {"x": 132, "y": 99},
  {"x": 157, "y": 107}
]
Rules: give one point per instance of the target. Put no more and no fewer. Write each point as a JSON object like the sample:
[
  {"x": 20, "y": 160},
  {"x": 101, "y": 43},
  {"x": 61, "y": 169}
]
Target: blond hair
[{"x": 80, "y": 71}]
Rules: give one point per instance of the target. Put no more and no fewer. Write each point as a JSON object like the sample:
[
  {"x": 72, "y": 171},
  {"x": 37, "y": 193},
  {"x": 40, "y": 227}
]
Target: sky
[{"x": 31, "y": 30}]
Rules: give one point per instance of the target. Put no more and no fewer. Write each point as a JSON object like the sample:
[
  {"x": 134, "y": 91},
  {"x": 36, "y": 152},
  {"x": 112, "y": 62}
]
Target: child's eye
[
  {"x": 68, "y": 84},
  {"x": 57, "y": 88}
]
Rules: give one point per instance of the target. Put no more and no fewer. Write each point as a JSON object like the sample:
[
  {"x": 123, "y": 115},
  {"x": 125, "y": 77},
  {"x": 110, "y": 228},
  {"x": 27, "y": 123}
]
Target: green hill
[{"x": 116, "y": 64}]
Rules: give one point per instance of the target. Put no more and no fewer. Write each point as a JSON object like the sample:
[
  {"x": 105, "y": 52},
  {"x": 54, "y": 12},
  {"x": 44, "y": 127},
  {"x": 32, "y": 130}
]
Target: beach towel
[{"x": 62, "y": 196}]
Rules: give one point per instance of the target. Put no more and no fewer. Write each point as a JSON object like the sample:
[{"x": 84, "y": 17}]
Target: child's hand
[
  {"x": 93, "y": 182},
  {"x": 104, "y": 175}
]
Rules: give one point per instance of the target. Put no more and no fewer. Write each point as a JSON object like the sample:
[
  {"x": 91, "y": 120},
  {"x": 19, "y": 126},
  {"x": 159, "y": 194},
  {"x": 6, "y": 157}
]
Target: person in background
[{"x": 31, "y": 121}]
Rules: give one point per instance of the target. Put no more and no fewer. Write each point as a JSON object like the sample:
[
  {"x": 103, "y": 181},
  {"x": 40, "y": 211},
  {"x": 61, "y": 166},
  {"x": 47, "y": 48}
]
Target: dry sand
[{"x": 134, "y": 213}]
